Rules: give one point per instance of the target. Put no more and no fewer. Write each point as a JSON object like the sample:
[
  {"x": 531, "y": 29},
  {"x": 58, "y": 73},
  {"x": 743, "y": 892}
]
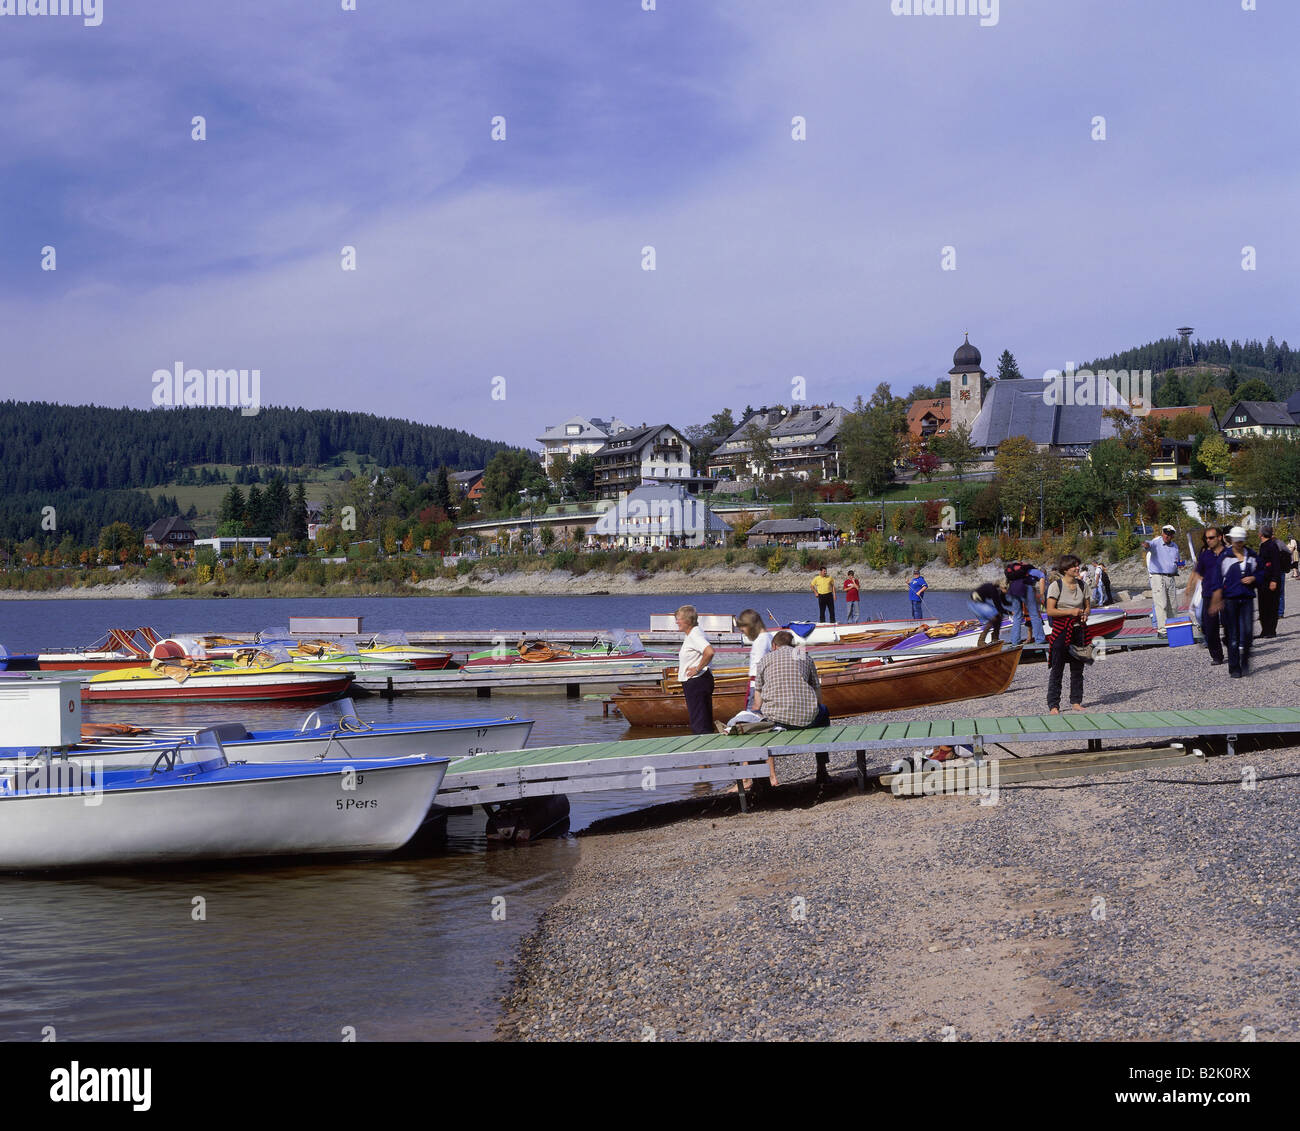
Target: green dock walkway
[{"x": 646, "y": 763}]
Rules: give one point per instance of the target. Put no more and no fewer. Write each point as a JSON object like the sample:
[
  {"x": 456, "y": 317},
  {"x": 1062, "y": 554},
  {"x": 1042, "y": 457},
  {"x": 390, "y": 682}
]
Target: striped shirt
[{"x": 791, "y": 692}]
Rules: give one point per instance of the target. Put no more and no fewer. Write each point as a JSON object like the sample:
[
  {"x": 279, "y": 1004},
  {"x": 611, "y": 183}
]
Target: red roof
[{"x": 940, "y": 408}]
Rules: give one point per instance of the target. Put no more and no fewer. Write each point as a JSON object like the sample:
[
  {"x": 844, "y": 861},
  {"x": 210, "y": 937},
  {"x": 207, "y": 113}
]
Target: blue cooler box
[{"x": 1179, "y": 633}]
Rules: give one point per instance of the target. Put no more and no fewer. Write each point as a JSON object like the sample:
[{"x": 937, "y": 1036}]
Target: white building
[
  {"x": 224, "y": 547},
  {"x": 577, "y": 436},
  {"x": 655, "y": 451},
  {"x": 659, "y": 516}
]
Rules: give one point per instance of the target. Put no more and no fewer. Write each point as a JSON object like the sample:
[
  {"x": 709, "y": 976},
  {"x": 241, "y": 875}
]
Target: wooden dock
[{"x": 645, "y": 763}]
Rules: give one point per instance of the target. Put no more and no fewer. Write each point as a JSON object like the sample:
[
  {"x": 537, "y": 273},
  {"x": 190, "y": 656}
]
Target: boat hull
[
  {"x": 297, "y": 810},
  {"x": 920, "y": 682},
  {"x": 219, "y": 687}
]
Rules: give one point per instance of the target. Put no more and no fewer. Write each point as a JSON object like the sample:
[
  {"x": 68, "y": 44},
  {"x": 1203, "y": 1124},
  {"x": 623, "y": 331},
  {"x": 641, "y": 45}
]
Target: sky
[{"x": 626, "y": 129}]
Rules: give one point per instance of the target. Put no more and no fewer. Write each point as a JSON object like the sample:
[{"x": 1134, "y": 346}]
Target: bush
[
  {"x": 563, "y": 559},
  {"x": 729, "y": 557},
  {"x": 775, "y": 560}
]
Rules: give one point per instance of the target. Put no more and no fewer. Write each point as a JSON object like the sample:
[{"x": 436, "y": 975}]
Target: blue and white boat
[
  {"x": 193, "y": 804},
  {"x": 332, "y": 731}
]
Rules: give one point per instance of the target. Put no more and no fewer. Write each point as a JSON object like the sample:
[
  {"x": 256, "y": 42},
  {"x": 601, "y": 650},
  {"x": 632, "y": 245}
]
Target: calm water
[{"x": 398, "y": 949}]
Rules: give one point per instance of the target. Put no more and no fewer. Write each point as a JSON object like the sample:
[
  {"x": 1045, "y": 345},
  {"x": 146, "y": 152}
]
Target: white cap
[{"x": 1237, "y": 534}]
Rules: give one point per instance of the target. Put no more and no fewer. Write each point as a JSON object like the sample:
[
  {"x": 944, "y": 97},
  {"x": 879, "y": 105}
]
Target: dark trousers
[
  {"x": 1269, "y": 606},
  {"x": 699, "y": 702},
  {"x": 1238, "y": 618},
  {"x": 826, "y": 607},
  {"x": 1210, "y": 626},
  {"x": 1058, "y": 656}
]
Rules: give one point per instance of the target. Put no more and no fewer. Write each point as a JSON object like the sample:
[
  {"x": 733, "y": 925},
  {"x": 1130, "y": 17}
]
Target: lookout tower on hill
[
  {"x": 968, "y": 385},
  {"x": 1185, "y": 345}
]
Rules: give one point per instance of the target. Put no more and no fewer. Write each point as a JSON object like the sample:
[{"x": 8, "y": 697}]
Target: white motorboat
[{"x": 192, "y": 804}]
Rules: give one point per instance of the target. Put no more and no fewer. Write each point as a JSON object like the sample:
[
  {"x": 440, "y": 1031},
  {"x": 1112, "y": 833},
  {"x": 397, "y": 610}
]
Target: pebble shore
[{"x": 1160, "y": 904}]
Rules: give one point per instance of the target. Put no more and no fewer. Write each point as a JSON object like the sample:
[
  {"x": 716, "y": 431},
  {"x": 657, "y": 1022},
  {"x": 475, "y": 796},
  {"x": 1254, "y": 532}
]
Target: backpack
[{"x": 1017, "y": 574}]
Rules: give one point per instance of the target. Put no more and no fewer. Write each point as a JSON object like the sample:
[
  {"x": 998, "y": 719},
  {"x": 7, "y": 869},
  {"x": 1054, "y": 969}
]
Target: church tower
[{"x": 968, "y": 384}]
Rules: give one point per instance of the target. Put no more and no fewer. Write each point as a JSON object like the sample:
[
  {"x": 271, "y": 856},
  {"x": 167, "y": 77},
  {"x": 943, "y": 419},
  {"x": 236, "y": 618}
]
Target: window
[
  {"x": 963, "y": 378},
  {"x": 1241, "y": 420},
  {"x": 573, "y": 429}
]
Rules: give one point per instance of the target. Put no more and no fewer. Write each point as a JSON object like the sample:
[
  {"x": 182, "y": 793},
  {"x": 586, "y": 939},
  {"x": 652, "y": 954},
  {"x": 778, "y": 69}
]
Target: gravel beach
[{"x": 1160, "y": 904}]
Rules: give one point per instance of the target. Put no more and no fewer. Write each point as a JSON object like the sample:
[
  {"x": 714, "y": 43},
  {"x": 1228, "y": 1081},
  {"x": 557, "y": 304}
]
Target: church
[{"x": 994, "y": 410}]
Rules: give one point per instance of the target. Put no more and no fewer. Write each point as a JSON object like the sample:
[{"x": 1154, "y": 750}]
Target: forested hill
[
  {"x": 1277, "y": 365},
  {"x": 51, "y": 447}
]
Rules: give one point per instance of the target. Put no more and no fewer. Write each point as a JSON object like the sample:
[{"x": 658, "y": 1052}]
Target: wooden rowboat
[{"x": 860, "y": 689}]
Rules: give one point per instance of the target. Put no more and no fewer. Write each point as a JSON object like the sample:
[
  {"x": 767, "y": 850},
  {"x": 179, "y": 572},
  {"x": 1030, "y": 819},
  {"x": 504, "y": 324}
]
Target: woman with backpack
[{"x": 1068, "y": 604}]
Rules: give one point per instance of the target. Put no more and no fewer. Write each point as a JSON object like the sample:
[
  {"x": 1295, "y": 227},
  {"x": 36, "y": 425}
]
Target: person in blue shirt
[
  {"x": 916, "y": 590},
  {"x": 1208, "y": 572},
  {"x": 1022, "y": 595},
  {"x": 1162, "y": 565},
  {"x": 1238, "y": 572}
]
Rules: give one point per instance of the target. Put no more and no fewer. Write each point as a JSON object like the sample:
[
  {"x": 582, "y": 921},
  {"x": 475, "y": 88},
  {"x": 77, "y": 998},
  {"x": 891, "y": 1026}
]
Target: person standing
[
  {"x": 1162, "y": 566},
  {"x": 1067, "y": 605},
  {"x": 1101, "y": 593},
  {"x": 1273, "y": 560},
  {"x": 694, "y": 672},
  {"x": 1208, "y": 572},
  {"x": 1239, "y": 573},
  {"x": 824, "y": 586},
  {"x": 916, "y": 591},
  {"x": 1023, "y": 598},
  {"x": 851, "y": 598},
  {"x": 1294, "y": 547}
]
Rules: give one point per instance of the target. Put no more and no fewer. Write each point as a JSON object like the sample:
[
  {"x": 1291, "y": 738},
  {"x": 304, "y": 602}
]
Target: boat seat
[{"x": 229, "y": 732}]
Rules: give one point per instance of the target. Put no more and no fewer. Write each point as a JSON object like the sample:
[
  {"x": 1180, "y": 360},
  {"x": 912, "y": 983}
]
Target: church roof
[
  {"x": 1023, "y": 408},
  {"x": 966, "y": 359}
]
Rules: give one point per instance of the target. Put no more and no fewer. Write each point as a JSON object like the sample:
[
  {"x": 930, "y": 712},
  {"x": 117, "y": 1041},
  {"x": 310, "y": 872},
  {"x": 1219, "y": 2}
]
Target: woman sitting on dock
[
  {"x": 1068, "y": 606},
  {"x": 694, "y": 671}
]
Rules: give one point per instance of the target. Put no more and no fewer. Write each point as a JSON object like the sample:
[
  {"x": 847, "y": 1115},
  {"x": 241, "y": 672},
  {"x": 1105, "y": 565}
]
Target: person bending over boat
[
  {"x": 1068, "y": 605},
  {"x": 787, "y": 690},
  {"x": 988, "y": 605},
  {"x": 694, "y": 671}
]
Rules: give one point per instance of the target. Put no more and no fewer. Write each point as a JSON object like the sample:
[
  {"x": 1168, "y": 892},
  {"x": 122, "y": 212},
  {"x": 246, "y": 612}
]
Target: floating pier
[{"x": 720, "y": 759}]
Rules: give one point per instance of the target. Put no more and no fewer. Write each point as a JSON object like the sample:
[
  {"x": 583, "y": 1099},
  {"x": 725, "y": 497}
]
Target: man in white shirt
[{"x": 1162, "y": 567}]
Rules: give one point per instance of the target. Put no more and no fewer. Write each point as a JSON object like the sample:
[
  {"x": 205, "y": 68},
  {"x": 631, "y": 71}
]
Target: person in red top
[{"x": 851, "y": 596}]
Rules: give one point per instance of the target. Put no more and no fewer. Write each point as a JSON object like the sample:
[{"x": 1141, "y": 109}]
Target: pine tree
[{"x": 1008, "y": 370}]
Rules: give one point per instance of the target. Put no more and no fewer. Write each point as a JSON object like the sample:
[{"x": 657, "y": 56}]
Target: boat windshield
[
  {"x": 340, "y": 714},
  {"x": 622, "y": 642},
  {"x": 274, "y": 636},
  {"x": 388, "y": 638},
  {"x": 204, "y": 752}
]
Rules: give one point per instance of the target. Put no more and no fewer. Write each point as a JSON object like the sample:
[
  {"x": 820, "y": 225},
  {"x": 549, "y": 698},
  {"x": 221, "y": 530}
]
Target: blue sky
[{"x": 625, "y": 128}]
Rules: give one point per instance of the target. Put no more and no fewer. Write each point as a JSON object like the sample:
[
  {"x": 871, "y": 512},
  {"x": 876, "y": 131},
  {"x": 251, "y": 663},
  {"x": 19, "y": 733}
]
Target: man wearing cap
[
  {"x": 1273, "y": 563},
  {"x": 1239, "y": 575},
  {"x": 1162, "y": 563}
]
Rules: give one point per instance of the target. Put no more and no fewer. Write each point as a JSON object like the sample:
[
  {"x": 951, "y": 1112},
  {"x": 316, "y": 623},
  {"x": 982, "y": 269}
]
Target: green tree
[
  {"x": 561, "y": 465},
  {"x": 759, "y": 440},
  {"x": 509, "y": 473},
  {"x": 117, "y": 537},
  {"x": 298, "y": 515},
  {"x": 1169, "y": 393},
  {"x": 871, "y": 438},
  {"x": 1008, "y": 370},
  {"x": 1219, "y": 398},
  {"x": 1017, "y": 469},
  {"x": 956, "y": 450},
  {"x": 232, "y": 506},
  {"x": 582, "y": 476},
  {"x": 1253, "y": 390}
]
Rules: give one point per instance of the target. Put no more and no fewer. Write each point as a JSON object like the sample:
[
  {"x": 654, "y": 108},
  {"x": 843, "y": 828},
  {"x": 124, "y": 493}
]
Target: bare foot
[
  {"x": 1054, "y": 711},
  {"x": 1076, "y": 706}
]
